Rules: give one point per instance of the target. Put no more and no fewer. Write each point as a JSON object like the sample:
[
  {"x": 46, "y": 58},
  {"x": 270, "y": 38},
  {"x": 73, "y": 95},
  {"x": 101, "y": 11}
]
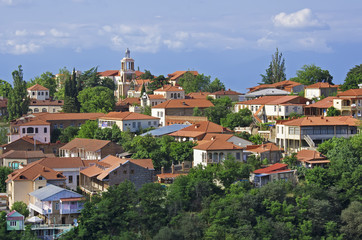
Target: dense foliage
[
  {"x": 353, "y": 78},
  {"x": 310, "y": 74},
  {"x": 4, "y": 172},
  {"x": 5, "y": 88},
  {"x": 46, "y": 79},
  {"x": 191, "y": 83},
  {"x": 276, "y": 71},
  {"x": 96, "y": 99}
]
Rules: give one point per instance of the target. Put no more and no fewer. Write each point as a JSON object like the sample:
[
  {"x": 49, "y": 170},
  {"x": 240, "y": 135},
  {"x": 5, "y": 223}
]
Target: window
[
  {"x": 45, "y": 139},
  {"x": 40, "y": 178},
  {"x": 252, "y": 108},
  {"x": 42, "y": 93},
  {"x": 61, "y": 126},
  {"x": 132, "y": 171},
  {"x": 36, "y": 130},
  {"x": 149, "y": 123},
  {"x": 139, "y": 125},
  {"x": 23, "y": 130},
  {"x": 46, "y": 93},
  {"x": 237, "y": 156},
  {"x": 171, "y": 95},
  {"x": 124, "y": 171},
  {"x": 30, "y": 130},
  {"x": 45, "y": 130},
  {"x": 55, "y": 126},
  {"x": 275, "y": 108},
  {"x": 161, "y": 114},
  {"x": 134, "y": 124},
  {"x": 155, "y": 123},
  {"x": 277, "y": 129},
  {"x": 38, "y": 93},
  {"x": 178, "y": 95},
  {"x": 33, "y": 93},
  {"x": 70, "y": 179},
  {"x": 280, "y": 108},
  {"x": 282, "y": 130},
  {"x": 286, "y": 109},
  {"x": 12, "y": 223},
  {"x": 36, "y": 110},
  {"x": 44, "y": 110},
  {"x": 53, "y": 110},
  {"x": 56, "y": 206}
]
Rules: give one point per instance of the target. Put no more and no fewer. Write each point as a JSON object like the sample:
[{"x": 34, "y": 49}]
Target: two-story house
[
  {"x": 349, "y": 103},
  {"x": 57, "y": 205},
  {"x": 89, "y": 149},
  {"x": 319, "y": 108},
  {"x": 37, "y": 129},
  {"x": 308, "y": 131},
  {"x": 320, "y": 89},
  {"x": 275, "y": 172},
  {"x": 40, "y": 100},
  {"x": 113, "y": 170},
  {"x": 268, "y": 151},
  {"x": 16, "y": 158}
]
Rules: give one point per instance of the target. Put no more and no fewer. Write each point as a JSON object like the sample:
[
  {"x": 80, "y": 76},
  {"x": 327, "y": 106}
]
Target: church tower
[{"x": 127, "y": 74}]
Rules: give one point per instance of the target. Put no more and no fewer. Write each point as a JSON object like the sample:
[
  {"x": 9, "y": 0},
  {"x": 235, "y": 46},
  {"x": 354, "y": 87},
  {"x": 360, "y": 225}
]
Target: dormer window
[
  {"x": 22, "y": 177},
  {"x": 40, "y": 178}
]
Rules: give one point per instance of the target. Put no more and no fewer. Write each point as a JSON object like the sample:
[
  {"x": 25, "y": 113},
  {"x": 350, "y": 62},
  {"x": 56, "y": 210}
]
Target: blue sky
[{"x": 232, "y": 40}]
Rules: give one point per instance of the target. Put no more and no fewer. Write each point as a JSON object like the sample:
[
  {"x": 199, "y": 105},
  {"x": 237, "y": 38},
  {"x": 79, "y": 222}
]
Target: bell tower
[{"x": 127, "y": 73}]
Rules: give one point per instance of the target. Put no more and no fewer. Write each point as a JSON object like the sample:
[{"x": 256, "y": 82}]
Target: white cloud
[
  {"x": 15, "y": 48},
  {"x": 299, "y": 20},
  {"x": 21, "y": 33},
  {"x": 56, "y": 33},
  {"x": 173, "y": 44}
]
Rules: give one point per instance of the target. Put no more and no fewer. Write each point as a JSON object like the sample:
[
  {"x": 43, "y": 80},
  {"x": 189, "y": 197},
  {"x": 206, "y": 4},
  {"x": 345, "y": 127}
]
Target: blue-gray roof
[
  {"x": 165, "y": 130},
  {"x": 53, "y": 193},
  {"x": 267, "y": 92}
]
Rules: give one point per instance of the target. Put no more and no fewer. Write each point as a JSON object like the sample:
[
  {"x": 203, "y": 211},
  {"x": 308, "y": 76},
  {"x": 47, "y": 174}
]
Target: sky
[{"x": 232, "y": 40}]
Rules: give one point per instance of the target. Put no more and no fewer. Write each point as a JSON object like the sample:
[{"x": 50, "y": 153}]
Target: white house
[
  {"x": 38, "y": 129},
  {"x": 38, "y": 92},
  {"x": 320, "y": 89}
]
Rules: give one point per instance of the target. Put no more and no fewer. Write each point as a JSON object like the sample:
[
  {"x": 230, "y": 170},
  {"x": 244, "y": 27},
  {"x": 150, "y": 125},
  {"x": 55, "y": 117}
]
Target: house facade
[
  {"x": 275, "y": 172},
  {"x": 38, "y": 92},
  {"x": 268, "y": 151},
  {"x": 15, "y": 158},
  {"x": 113, "y": 170},
  {"x": 349, "y": 103},
  {"x": 234, "y": 96},
  {"x": 320, "y": 89},
  {"x": 37, "y": 129},
  {"x": 14, "y": 221}
]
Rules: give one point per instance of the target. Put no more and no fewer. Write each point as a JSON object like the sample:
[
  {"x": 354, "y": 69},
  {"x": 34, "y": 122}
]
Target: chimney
[
  {"x": 162, "y": 170},
  {"x": 172, "y": 168},
  {"x": 183, "y": 166}
]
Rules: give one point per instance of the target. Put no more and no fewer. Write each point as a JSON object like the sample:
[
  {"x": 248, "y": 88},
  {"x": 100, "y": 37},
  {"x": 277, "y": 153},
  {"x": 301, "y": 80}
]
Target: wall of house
[
  {"x": 136, "y": 125},
  {"x": 39, "y": 95},
  {"x": 160, "y": 113},
  {"x": 43, "y": 134},
  {"x": 198, "y": 157},
  {"x": 49, "y": 109},
  {"x": 282, "y": 110},
  {"x": 312, "y": 93},
  {"x": 19, "y": 190},
  {"x": 203, "y": 157},
  {"x": 12, "y": 162},
  {"x": 69, "y": 173},
  {"x": 111, "y": 149}
]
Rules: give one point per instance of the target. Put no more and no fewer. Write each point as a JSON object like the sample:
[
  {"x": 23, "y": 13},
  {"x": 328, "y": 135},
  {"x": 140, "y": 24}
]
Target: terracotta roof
[
  {"x": 68, "y": 116},
  {"x": 321, "y": 121},
  {"x": 90, "y": 145},
  {"x": 322, "y": 85},
  {"x": 273, "y": 168},
  {"x": 29, "y": 139},
  {"x": 169, "y": 88},
  {"x": 185, "y": 103},
  {"x": 199, "y": 129},
  {"x": 184, "y": 119},
  {"x": 275, "y": 100},
  {"x": 110, "y": 163},
  {"x": 309, "y": 155},
  {"x": 324, "y": 103},
  {"x": 109, "y": 73},
  {"x": 23, "y": 154},
  {"x": 34, "y": 170},
  {"x": 143, "y": 81},
  {"x": 127, "y": 116},
  {"x": 35, "y": 123},
  {"x": 138, "y": 73},
  {"x": 170, "y": 175},
  {"x": 287, "y": 84},
  {"x": 217, "y": 144},
  {"x": 156, "y": 96},
  {"x": 198, "y": 95},
  {"x": 38, "y": 87},
  {"x": 128, "y": 101},
  {"x": 34, "y": 102},
  {"x": 177, "y": 74},
  {"x": 212, "y": 136},
  {"x": 226, "y": 92},
  {"x": 267, "y": 147},
  {"x": 351, "y": 92},
  {"x": 62, "y": 162}
]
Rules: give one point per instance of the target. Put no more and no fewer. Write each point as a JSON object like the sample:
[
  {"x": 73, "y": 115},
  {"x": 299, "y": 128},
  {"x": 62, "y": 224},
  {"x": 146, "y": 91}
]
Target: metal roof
[
  {"x": 165, "y": 130},
  {"x": 52, "y": 192},
  {"x": 267, "y": 92}
]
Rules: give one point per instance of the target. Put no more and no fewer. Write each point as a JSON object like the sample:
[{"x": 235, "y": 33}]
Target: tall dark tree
[
  {"x": 147, "y": 75},
  {"x": 157, "y": 83},
  {"x": 18, "y": 103},
  {"x": 276, "y": 71},
  {"x": 71, "y": 103},
  {"x": 354, "y": 77},
  {"x": 143, "y": 90}
]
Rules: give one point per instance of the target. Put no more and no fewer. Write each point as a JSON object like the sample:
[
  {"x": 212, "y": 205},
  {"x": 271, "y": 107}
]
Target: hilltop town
[{"x": 124, "y": 154}]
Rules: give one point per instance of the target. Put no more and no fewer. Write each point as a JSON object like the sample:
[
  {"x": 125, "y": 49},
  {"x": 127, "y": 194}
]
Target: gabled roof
[
  {"x": 35, "y": 102},
  {"x": 310, "y": 155},
  {"x": 102, "y": 168},
  {"x": 324, "y": 103},
  {"x": 185, "y": 103},
  {"x": 138, "y": 73},
  {"x": 89, "y": 145},
  {"x": 226, "y": 92},
  {"x": 52, "y": 192},
  {"x": 321, "y": 121},
  {"x": 277, "y": 167},
  {"x": 275, "y": 100},
  {"x": 109, "y": 73},
  {"x": 165, "y": 130},
  {"x": 267, "y": 92},
  {"x": 267, "y": 147},
  {"x": 198, "y": 95},
  {"x": 287, "y": 84},
  {"x": 169, "y": 88},
  {"x": 200, "y": 128},
  {"x": 14, "y": 213},
  {"x": 38, "y": 87},
  {"x": 23, "y": 154},
  {"x": 128, "y": 101},
  {"x": 217, "y": 144},
  {"x": 142, "y": 81},
  {"x": 321, "y": 85},
  {"x": 177, "y": 74},
  {"x": 121, "y": 116},
  {"x": 351, "y": 92},
  {"x": 34, "y": 170},
  {"x": 62, "y": 162}
]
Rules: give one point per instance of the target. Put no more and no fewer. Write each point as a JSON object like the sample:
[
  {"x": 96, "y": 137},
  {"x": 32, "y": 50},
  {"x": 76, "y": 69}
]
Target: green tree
[
  {"x": 68, "y": 134},
  {"x": 90, "y": 78},
  {"x": 215, "y": 86},
  {"x": 352, "y": 219},
  {"x": 143, "y": 90},
  {"x": 4, "y": 135},
  {"x": 4, "y": 172},
  {"x": 18, "y": 102},
  {"x": 197, "y": 112},
  {"x": 242, "y": 118},
  {"x": 88, "y": 129},
  {"x": 108, "y": 83},
  {"x": 46, "y": 79},
  {"x": 157, "y": 83},
  {"x": 353, "y": 78},
  {"x": 276, "y": 71},
  {"x": 310, "y": 74},
  {"x": 96, "y": 99},
  {"x": 146, "y": 110},
  {"x": 5, "y": 88},
  {"x": 71, "y": 103},
  {"x": 103, "y": 134},
  {"x": 332, "y": 111},
  {"x": 147, "y": 75},
  {"x": 291, "y": 160},
  {"x": 191, "y": 83},
  {"x": 256, "y": 139},
  {"x": 21, "y": 208},
  {"x": 61, "y": 78},
  {"x": 222, "y": 107}
]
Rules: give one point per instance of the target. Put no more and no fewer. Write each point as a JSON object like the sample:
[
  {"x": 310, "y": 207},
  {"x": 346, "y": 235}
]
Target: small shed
[{"x": 14, "y": 221}]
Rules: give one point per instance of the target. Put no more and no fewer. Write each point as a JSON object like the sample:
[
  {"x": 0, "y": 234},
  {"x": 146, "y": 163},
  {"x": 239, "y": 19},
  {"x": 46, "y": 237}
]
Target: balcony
[
  {"x": 70, "y": 211},
  {"x": 39, "y": 209}
]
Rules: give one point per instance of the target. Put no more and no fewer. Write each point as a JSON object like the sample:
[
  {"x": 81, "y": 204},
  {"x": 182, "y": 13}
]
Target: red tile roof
[
  {"x": 267, "y": 147},
  {"x": 275, "y": 100},
  {"x": 351, "y": 92},
  {"x": 198, "y": 95},
  {"x": 128, "y": 101},
  {"x": 324, "y": 103},
  {"x": 226, "y": 92},
  {"x": 67, "y": 116},
  {"x": 109, "y": 73},
  {"x": 35, "y": 123},
  {"x": 156, "y": 96},
  {"x": 322, "y": 85},
  {"x": 185, "y": 103},
  {"x": 62, "y": 162},
  {"x": 286, "y": 85},
  {"x": 273, "y": 168},
  {"x": 121, "y": 116},
  {"x": 177, "y": 74},
  {"x": 308, "y": 155},
  {"x": 35, "y": 102},
  {"x": 321, "y": 121},
  {"x": 217, "y": 144},
  {"x": 138, "y": 73},
  {"x": 198, "y": 129},
  {"x": 38, "y": 87},
  {"x": 90, "y": 145},
  {"x": 169, "y": 88},
  {"x": 23, "y": 154}
]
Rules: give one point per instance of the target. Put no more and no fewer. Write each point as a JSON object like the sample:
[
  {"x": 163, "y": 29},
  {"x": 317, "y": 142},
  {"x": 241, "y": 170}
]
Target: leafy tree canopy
[
  {"x": 215, "y": 86},
  {"x": 222, "y": 107},
  {"x": 157, "y": 83},
  {"x": 96, "y": 99},
  {"x": 242, "y": 118},
  {"x": 88, "y": 129},
  {"x": 147, "y": 75},
  {"x": 353, "y": 78},
  {"x": 310, "y": 74},
  {"x": 191, "y": 83},
  {"x": 5, "y": 88},
  {"x": 21, "y": 208},
  {"x": 332, "y": 111},
  {"x": 276, "y": 71}
]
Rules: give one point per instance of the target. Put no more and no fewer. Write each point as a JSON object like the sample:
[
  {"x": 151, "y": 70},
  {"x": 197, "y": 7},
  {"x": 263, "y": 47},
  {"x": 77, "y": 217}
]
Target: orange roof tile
[
  {"x": 200, "y": 128},
  {"x": 273, "y": 168},
  {"x": 177, "y": 74},
  {"x": 217, "y": 144},
  {"x": 287, "y": 84},
  {"x": 185, "y": 103},
  {"x": 138, "y": 73},
  {"x": 184, "y": 119},
  {"x": 32, "y": 171},
  {"x": 127, "y": 116},
  {"x": 322, "y": 85},
  {"x": 226, "y": 92},
  {"x": 324, "y": 103},
  {"x": 90, "y": 145},
  {"x": 351, "y": 92},
  {"x": 275, "y": 100},
  {"x": 128, "y": 101},
  {"x": 212, "y": 136},
  {"x": 198, "y": 95},
  {"x": 23, "y": 154},
  {"x": 143, "y": 81},
  {"x": 62, "y": 162},
  {"x": 169, "y": 88},
  {"x": 156, "y": 96},
  {"x": 35, "y": 123},
  {"x": 267, "y": 147},
  {"x": 109, "y": 73},
  {"x": 68, "y": 116},
  {"x": 321, "y": 121},
  {"x": 38, "y": 87},
  {"x": 35, "y": 102},
  {"x": 308, "y": 155}
]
